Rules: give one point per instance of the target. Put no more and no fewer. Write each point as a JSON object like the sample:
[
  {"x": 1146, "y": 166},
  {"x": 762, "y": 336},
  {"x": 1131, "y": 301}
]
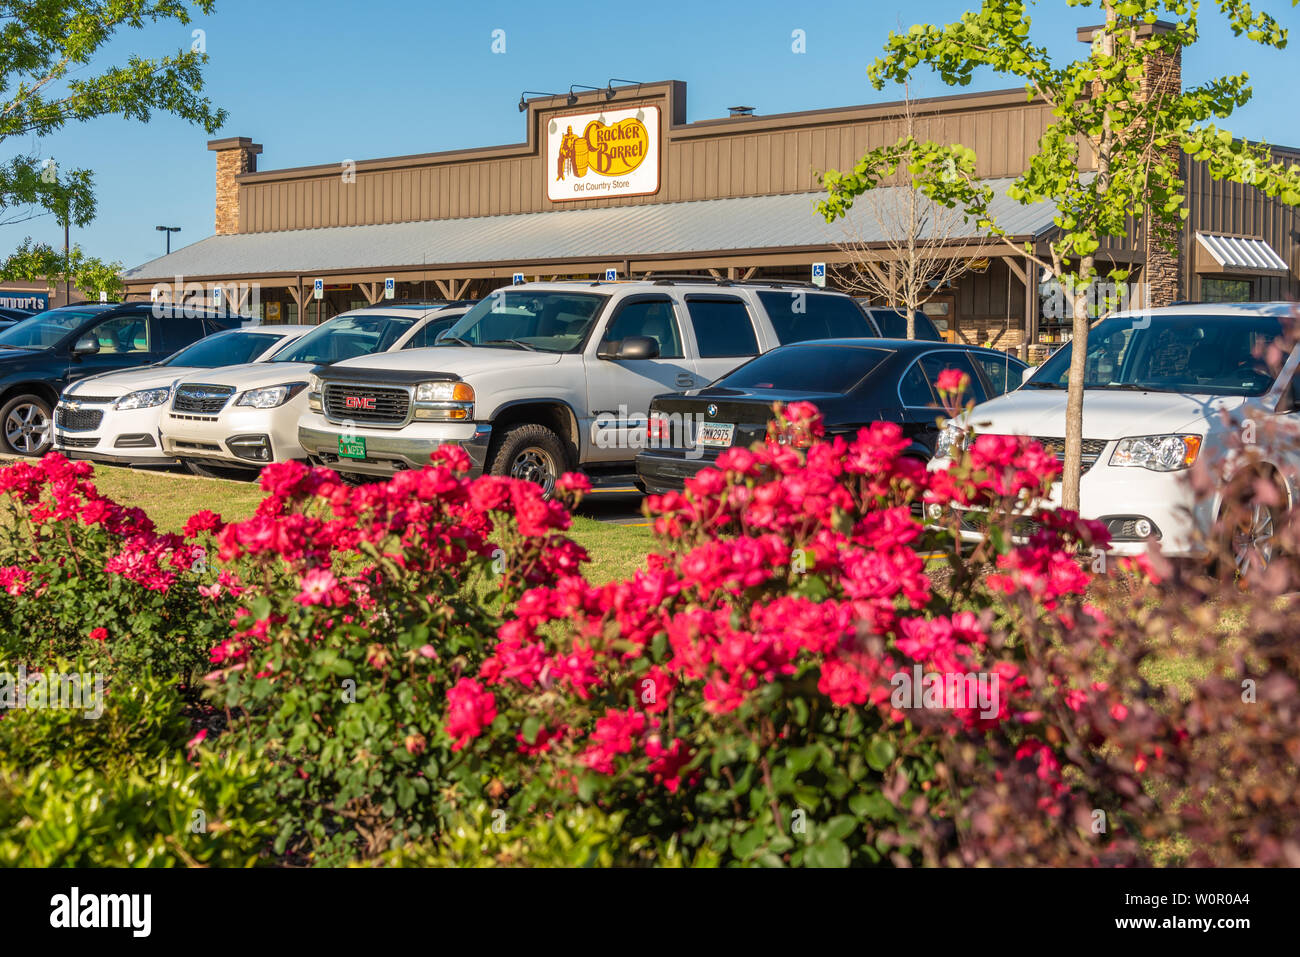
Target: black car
[
  {"x": 893, "y": 324},
  {"x": 9, "y": 316},
  {"x": 41, "y": 355},
  {"x": 853, "y": 382}
]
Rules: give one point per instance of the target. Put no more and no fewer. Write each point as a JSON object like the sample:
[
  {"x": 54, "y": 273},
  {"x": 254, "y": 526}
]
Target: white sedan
[
  {"x": 113, "y": 417},
  {"x": 1167, "y": 390},
  {"x": 231, "y": 422}
]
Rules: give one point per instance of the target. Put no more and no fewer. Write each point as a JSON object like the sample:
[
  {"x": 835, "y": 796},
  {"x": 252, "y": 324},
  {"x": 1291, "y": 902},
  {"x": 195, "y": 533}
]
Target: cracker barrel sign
[{"x": 602, "y": 154}]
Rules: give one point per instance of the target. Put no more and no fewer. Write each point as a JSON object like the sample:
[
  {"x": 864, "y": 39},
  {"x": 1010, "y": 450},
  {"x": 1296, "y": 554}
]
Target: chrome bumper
[{"x": 387, "y": 453}]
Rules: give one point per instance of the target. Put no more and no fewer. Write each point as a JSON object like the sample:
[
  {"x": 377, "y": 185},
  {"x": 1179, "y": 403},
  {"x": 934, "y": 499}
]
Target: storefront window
[{"x": 1225, "y": 290}]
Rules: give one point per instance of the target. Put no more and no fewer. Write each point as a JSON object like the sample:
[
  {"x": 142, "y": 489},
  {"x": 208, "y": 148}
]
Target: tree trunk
[{"x": 1072, "y": 470}]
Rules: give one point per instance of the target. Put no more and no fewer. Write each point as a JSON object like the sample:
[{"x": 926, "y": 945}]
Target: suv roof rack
[{"x": 669, "y": 278}]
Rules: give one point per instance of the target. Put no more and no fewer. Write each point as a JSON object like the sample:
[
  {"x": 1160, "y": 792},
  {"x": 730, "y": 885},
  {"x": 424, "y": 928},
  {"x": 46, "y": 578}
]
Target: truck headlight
[
  {"x": 444, "y": 401},
  {"x": 1159, "y": 453},
  {"x": 272, "y": 396},
  {"x": 444, "y": 392},
  {"x": 144, "y": 399},
  {"x": 314, "y": 383}
]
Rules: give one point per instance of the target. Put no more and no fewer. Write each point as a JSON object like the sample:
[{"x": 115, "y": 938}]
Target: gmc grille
[
  {"x": 366, "y": 403},
  {"x": 78, "y": 420},
  {"x": 202, "y": 399}
]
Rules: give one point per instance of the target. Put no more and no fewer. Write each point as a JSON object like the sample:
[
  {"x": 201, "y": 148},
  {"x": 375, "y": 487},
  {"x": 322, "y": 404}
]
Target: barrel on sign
[{"x": 580, "y": 157}]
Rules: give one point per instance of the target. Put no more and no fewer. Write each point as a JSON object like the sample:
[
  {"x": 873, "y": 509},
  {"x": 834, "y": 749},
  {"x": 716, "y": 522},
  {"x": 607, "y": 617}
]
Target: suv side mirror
[
  {"x": 633, "y": 347},
  {"x": 86, "y": 346}
]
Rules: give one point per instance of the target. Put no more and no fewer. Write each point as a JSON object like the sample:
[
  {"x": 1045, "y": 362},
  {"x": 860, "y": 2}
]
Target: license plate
[
  {"x": 352, "y": 448},
  {"x": 717, "y": 434}
]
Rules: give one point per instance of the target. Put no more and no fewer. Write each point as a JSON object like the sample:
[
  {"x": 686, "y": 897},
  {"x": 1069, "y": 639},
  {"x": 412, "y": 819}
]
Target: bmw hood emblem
[{"x": 712, "y": 410}]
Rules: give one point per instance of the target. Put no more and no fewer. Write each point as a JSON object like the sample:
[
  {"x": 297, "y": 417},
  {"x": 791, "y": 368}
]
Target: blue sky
[{"x": 325, "y": 81}]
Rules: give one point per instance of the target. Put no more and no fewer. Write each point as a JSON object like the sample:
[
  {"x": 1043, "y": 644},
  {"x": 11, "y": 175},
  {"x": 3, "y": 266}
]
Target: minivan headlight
[
  {"x": 270, "y": 397},
  {"x": 144, "y": 399},
  {"x": 1159, "y": 453},
  {"x": 444, "y": 392},
  {"x": 951, "y": 439}
]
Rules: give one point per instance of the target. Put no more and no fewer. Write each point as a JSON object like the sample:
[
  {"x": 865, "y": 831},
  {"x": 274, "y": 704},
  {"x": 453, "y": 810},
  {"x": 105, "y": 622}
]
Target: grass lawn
[{"x": 170, "y": 498}]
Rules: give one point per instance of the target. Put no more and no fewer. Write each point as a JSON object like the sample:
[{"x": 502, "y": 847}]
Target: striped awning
[{"x": 1241, "y": 254}]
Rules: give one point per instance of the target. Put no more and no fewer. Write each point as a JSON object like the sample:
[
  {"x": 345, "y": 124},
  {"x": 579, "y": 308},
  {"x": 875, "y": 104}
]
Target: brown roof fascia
[{"x": 675, "y": 93}]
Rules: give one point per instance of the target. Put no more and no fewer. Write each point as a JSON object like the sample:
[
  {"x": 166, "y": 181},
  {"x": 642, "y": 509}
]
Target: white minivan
[{"x": 1164, "y": 389}]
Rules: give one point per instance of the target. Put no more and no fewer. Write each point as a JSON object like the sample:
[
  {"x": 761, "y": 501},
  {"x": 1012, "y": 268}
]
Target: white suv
[
  {"x": 543, "y": 378},
  {"x": 1164, "y": 389},
  {"x": 230, "y": 422}
]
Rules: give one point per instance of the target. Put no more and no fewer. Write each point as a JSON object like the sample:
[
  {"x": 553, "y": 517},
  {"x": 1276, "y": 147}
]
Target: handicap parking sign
[
  {"x": 611, "y": 275},
  {"x": 519, "y": 279},
  {"x": 819, "y": 274}
]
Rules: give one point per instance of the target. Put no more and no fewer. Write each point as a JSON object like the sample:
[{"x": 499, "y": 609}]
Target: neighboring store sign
[
  {"x": 103, "y": 296},
  {"x": 318, "y": 288},
  {"x": 606, "y": 153},
  {"x": 273, "y": 312},
  {"x": 15, "y": 299},
  {"x": 819, "y": 275},
  {"x": 390, "y": 288}
]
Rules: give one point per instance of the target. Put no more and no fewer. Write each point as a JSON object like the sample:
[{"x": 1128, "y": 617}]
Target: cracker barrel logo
[
  {"x": 597, "y": 155},
  {"x": 608, "y": 150}
]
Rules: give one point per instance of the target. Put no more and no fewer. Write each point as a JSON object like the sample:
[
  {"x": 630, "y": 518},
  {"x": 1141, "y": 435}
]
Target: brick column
[
  {"x": 1163, "y": 273},
  {"x": 235, "y": 155}
]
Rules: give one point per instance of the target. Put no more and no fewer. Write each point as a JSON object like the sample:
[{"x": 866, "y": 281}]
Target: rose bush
[{"x": 789, "y": 680}]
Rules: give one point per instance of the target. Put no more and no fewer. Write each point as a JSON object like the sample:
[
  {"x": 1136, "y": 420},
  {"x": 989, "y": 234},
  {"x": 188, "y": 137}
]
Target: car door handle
[{"x": 685, "y": 379}]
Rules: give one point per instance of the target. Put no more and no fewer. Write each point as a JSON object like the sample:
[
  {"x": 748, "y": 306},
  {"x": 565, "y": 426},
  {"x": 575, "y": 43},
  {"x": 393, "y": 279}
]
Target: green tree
[
  {"x": 49, "y": 79},
  {"x": 1111, "y": 153}
]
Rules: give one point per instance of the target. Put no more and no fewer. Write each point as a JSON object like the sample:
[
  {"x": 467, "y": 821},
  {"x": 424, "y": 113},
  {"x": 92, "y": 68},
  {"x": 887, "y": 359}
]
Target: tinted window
[
  {"x": 723, "y": 328},
  {"x": 43, "y": 330},
  {"x": 919, "y": 385},
  {"x": 1003, "y": 372},
  {"x": 799, "y": 315},
  {"x": 651, "y": 318},
  {"x": 806, "y": 369},
  {"x": 346, "y": 337},
  {"x": 1207, "y": 355},
  {"x": 429, "y": 332},
  {"x": 178, "y": 332},
  {"x": 223, "y": 349},
  {"x": 548, "y": 320},
  {"x": 893, "y": 325},
  {"x": 122, "y": 335}
]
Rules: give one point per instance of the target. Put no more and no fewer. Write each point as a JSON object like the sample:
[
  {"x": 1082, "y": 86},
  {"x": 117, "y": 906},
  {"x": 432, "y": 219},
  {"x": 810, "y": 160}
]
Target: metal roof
[
  {"x": 603, "y": 234},
  {"x": 1236, "y": 252}
]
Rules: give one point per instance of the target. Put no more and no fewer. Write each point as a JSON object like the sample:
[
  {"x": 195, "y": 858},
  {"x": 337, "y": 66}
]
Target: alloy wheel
[
  {"x": 27, "y": 428},
  {"x": 535, "y": 465}
]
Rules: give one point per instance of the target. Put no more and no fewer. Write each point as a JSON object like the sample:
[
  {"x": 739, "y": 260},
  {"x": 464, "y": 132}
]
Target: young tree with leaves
[
  {"x": 1111, "y": 154},
  {"x": 47, "y": 51}
]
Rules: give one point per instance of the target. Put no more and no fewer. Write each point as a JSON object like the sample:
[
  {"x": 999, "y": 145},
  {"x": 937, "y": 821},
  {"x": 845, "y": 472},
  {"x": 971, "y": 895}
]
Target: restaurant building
[{"x": 617, "y": 179}]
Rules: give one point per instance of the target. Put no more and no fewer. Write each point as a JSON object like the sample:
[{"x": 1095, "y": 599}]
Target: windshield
[
  {"x": 1202, "y": 355},
  {"x": 223, "y": 349},
  {"x": 538, "y": 320},
  {"x": 43, "y": 331},
  {"x": 346, "y": 337}
]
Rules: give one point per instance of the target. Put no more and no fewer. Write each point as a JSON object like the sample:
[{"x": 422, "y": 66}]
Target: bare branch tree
[{"x": 898, "y": 243}]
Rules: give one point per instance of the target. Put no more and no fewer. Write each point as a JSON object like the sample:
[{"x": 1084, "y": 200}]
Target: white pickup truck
[{"x": 543, "y": 378}]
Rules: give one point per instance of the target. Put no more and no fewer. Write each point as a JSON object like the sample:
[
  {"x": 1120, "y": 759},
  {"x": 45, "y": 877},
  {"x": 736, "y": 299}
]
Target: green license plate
[{"x": 352, "y": 448}]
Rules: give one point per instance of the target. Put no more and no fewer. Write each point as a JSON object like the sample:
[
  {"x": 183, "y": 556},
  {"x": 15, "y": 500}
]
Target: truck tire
[
  {"x": 27, "y": 425},
  {"x": 532, "y": 453}
]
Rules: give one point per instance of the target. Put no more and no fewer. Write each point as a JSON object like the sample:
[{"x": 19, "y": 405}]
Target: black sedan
[{"x": 853, "y": 382}]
